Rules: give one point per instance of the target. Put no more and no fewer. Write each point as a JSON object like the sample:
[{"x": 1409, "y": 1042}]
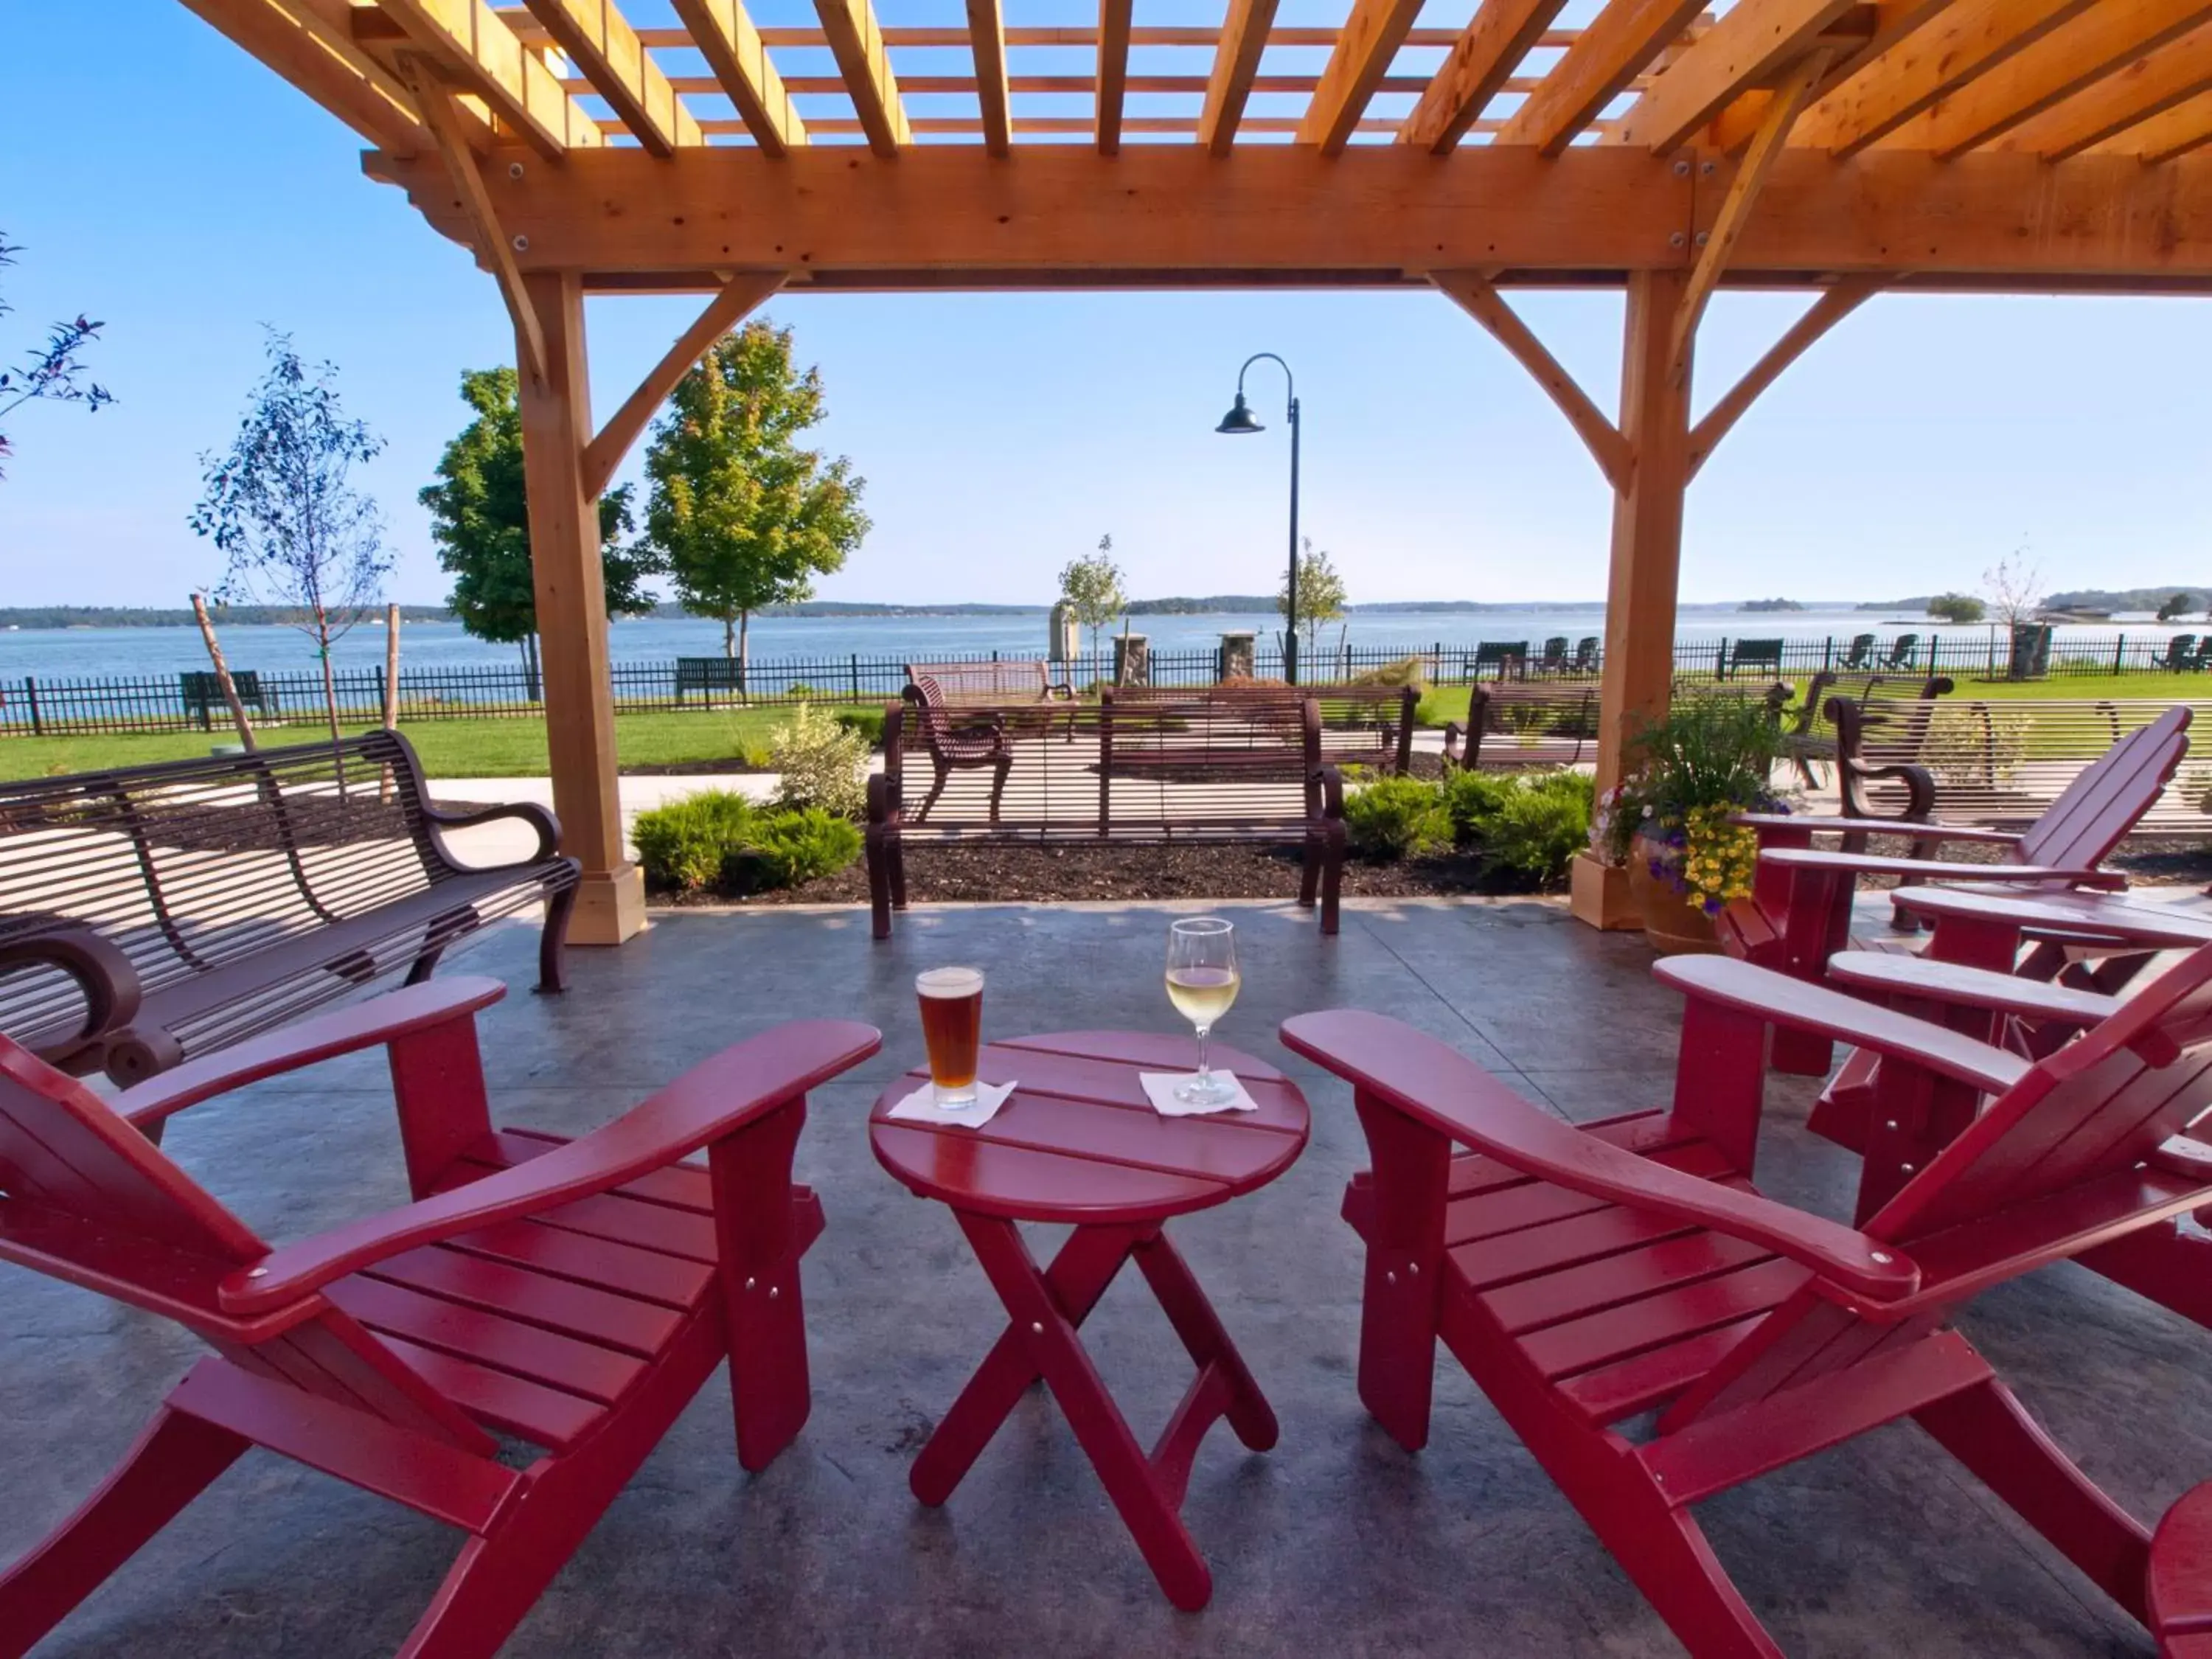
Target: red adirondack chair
[
  {"x": 1800, "y": 911},
  {"x": 1585, "y": 1277},
  {"x": 573, "y": 1295}
]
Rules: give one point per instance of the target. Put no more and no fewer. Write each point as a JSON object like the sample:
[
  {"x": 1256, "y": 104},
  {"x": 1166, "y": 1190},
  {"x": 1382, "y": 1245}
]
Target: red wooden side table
[{"x": 1078, "y": 1144}]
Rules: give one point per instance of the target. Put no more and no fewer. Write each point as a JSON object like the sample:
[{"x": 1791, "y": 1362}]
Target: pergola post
[
  {"x": 572, "y": 616},
  {"x": 1647, "y": 556}
]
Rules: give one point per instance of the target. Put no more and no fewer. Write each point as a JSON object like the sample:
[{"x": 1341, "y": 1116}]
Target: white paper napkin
[
  {"x": 921, "y": 1107},
  {"x": 1160, "y": 1087}
]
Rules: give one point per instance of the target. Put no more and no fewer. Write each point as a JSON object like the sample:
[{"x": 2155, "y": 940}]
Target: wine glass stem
[{"x": 1205, "y": 1070}]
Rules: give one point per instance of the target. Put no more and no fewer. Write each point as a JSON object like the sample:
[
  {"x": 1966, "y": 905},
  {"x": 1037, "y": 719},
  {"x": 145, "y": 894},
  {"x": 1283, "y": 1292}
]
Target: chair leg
[
  {"x": 499, "y": 1577},
  {"x": 1000, "y": 768},
  {"x": 1989, "y": 1431},
  {"x": 879, "y": 883},
  {"x": 757, "y": 1233},
  {"x": 172, "y": 1462}
]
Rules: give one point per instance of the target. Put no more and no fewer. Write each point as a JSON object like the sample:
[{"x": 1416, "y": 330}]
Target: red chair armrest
[
  {"x": 1888, "y": 975},
  {"x": 1445, "y": 1091},
  {"x": 707, "y": 1102},
  {"x": 344, "y": 1030},
  {"x": 1874, "y": 827},
  {"x": 1867, "y": 864},
  {"x": 1780, "y": 1000}
]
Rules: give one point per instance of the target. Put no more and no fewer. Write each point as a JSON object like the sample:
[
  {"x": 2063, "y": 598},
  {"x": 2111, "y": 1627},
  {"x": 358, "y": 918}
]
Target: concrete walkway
[{"x": 1335, "y": 1543}]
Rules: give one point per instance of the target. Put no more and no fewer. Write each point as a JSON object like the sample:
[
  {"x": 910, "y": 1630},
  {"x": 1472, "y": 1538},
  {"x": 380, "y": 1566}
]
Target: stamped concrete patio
[{"x": 1334, "y": 1543}]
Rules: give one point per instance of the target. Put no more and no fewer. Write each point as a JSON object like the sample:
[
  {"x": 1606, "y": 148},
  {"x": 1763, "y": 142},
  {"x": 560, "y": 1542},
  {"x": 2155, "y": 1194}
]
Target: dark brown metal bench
[
  {"x": 154, "y": 913},
  {"x": 1367, "y": 726},
  {"x": 993, "y": 684},
  {"x": 1555, "y": 723},
  {"x": 1150, "y": 770}
]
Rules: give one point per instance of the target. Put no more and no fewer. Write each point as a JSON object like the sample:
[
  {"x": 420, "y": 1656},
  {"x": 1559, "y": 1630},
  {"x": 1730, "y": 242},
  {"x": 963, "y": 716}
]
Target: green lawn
[{"x": 450, "y": 748}]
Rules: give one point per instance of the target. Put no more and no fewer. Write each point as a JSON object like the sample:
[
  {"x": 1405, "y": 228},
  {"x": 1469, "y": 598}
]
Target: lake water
[{"x": 87, "y": 653}]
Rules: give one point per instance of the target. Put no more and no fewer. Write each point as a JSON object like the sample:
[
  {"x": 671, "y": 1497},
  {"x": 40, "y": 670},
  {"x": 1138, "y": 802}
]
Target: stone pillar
[
  {"x": 1063, "y": 635},
  {"x": 1235, "y": 660},
  {"x": 1647, "y": 554},
  {"x": 1133, "y": 659},
  {"x": 572, "y": 620}
]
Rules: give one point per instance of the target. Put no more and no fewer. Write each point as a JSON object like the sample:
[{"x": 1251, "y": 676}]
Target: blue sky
[{"x": 161, "y": 179}]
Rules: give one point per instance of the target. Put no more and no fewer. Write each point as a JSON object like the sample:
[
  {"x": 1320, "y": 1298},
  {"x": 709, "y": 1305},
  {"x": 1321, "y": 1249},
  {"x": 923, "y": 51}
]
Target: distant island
[
  {"x": 1764, "y": 606},
  {"x": 109, "y": 616}
]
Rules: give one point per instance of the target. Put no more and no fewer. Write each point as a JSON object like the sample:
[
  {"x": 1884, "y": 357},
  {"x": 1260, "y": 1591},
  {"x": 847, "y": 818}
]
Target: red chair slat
[
  {"x": 1631, "y": 1387},
  {"x": 629, "y": 1323},
  {"x": 544, "y": 1416},
  {"x": 509, "y": 1345},
  {"x": 1628, "y": 1275},
  {"x": 654, "y": 1275},
  {"x": 1668, "y": 1315}
]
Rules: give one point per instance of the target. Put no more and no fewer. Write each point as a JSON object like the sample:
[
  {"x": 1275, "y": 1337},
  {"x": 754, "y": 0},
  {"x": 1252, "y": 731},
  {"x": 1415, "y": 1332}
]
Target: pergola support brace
[
  {"x": 739, "y": 296},
  {"x": 442, "y": 117},
  {"x": 1781, "y": 114},
  {"x": 1475, "y": 294},
  {"x": 1834, "y": 305}
]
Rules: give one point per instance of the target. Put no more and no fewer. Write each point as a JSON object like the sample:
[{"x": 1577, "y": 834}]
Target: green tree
[
  {"x": 741, "y": 515},
  {"x": 480, "y": 519},
  {"x": 1092, "y": 589},
  {"x": 1955, "y": 608},
  {"x": 1321, "y": 594},
  {"x": 52, "y": 374},
  {"x": 2177, "y": 607},
  {"x": 281, "y": 506}
]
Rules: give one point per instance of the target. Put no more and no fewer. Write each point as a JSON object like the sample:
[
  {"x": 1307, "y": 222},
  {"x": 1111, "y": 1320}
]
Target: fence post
[
  {"x": 1720, "y": 659},
  {"x": 1829, "y": 655},
  {"x": 31, "y": 692},
  {"x": 2119, "y": 651}
]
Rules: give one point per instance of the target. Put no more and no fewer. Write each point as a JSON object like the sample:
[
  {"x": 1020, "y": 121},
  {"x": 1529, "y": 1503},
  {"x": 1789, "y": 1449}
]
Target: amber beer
[{"x": 951, "y": 1028}]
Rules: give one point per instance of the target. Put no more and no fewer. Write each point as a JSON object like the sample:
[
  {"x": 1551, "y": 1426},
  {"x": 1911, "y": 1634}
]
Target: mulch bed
[{"x": 1000, "y": 872}]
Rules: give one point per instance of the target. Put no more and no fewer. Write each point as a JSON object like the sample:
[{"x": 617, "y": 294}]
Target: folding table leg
[
  {"x": 1207, "y": 1343},
  {"x": 1044, "y": 1333}
]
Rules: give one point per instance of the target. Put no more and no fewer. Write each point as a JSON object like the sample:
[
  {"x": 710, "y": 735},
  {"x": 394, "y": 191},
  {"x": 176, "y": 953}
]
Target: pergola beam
[
  {"x": 1477, "y": 67},
  {"x": 1235, "y": 66},
  {"x": 1789, "y": 101},
  {"x": 1475, "y": 294},
  {"x": 599, "y": 41},
  {"x": 2185, "y": 127},
  {"x": 1968, "y": 38},
  {"x": 987, "y": 36},
  {"x": 2078, "y": 54},
  {"x": 1834, "y": 305},
  {"x": 1372, "y": 34},
  {"x": 477, "y": 53},
  {"x": 1620, "y": 44},
  {"x": 2150, "y": 86},
  {"x": 952, "y": 216},
  {"x": 725, "y": 34},
  {"x": 353, "y": 88},
  {"x": 1114, "y": 20},
  {"x": 434, "y": 100},
  {"x": 1747, "y": 49},
  {"x": 740, "y": 296},
  {"x": 857, "y": 42}
]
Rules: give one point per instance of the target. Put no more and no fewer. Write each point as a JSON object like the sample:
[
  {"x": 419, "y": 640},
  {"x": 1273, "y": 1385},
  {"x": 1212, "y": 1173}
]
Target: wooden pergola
[{"x": 1842, "y": 147}]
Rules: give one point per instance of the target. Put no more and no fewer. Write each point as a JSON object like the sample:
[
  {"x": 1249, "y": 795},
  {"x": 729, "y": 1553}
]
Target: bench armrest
[
  {"x": 1447, "y": 1093},
  {"x": 370, "y": 1024},
  {"x": 1781, "y": 1000},
  {"x": 1867, "y": 864},
  {"x": 547, "y": 826},
  {"x": 111, "y": 986},
  {"x": 1887, "y": 974},
  {"x": 708, "y": 1103}
]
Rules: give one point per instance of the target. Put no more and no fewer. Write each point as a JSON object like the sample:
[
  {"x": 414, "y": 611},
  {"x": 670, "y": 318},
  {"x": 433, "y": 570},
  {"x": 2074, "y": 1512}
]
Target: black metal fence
[{"x": 182, "y": 702}]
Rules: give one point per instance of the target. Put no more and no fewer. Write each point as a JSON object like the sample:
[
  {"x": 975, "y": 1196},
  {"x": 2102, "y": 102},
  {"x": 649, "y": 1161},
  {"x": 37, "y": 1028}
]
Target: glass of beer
[
  {"x": 952, "y": 1030},
  {"x": 1203, "y": 982}
]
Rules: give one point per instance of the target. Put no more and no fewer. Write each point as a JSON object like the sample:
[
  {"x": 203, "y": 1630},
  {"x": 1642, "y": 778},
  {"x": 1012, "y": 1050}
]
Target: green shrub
[
  {"x": 868, "y": 723},
  {"x": 1475, "y": 799},
  {"x": 683, "y": 845},
  {"x": 1974, "y": 746},
  {"x": 1395, "y": 817},
  {"x": 1406, "y": 671},
  {"x": 794, "y": 848},
  {"x": 1541, "y": 825},
  {"x": 823, "y": 763}
]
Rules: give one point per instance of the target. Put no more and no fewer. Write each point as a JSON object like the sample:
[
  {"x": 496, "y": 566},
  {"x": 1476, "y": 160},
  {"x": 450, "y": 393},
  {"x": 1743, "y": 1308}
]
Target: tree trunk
[
  {"x": 730, "y": 639},
  {"x": 222, "y": 674},
  {"x": 329, "y": 694},
  {"x": 745, "y": 650},
  {"x": 534, "y": 682}
]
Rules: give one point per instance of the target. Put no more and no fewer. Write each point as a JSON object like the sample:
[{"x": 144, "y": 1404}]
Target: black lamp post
[{"x": 1240, "y": 419}]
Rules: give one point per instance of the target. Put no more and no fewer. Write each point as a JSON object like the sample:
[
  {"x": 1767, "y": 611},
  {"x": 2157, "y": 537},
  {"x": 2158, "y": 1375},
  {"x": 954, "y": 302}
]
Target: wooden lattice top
[{"x": 1983, "y": 143}]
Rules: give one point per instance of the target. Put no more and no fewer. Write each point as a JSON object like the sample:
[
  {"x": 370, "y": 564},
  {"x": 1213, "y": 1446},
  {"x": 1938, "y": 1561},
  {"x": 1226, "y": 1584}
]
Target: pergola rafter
[{"x": 1847, "y": 147}]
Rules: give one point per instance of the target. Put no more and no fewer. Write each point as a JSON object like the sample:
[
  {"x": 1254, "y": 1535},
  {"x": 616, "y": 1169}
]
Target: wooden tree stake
[{"x": 222, "y": 673}]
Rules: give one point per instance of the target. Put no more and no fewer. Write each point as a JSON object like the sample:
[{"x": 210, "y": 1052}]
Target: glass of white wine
[{"x": 1203, "y": 982}]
